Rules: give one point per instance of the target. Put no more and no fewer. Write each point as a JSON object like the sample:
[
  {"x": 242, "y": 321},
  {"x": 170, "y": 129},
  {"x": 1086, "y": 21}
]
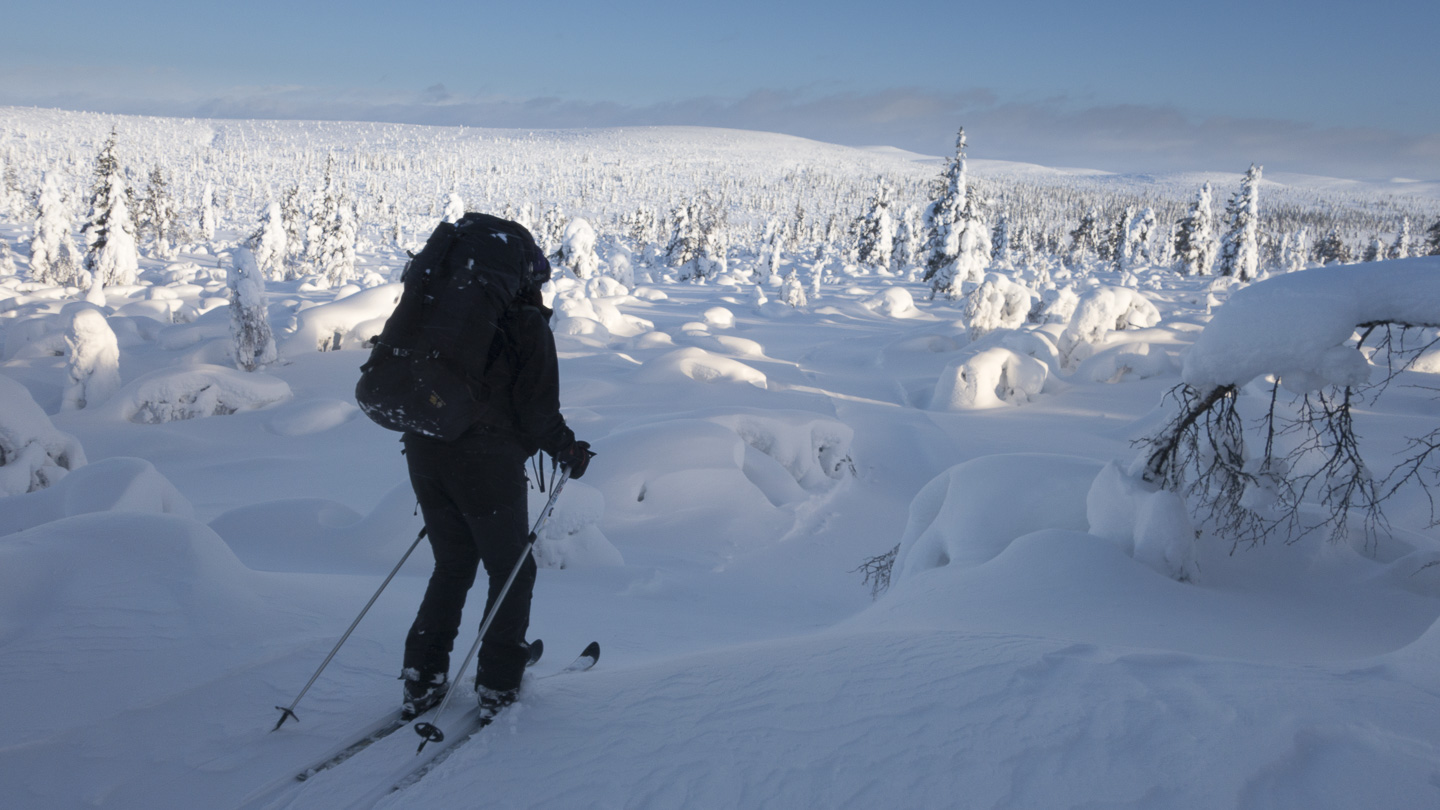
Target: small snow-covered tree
[
  {"x": 1240, "y": 247},
  {"x": 337, "y": 261},
  {"x": 1293, "y": 252},
  {"x": 877, "y": 232},
  {"x": 577, "y": 249},
  {"x": 1085, "y": 240},
  {"x": 268, "y": 243},
  {"x": 1195, "y": 241},
  {"x": 206, "y": 219},
  {"x": 454, "y": 208},
  {"x": 52, "y": 250},
  {"x": 997, "y": 303},
  {"x": 157, "y": 214},
  {"x": 1432, "y": 239},
  {"x": 251, "y": 339},
  {"x": 792, "y": 292},
  {"x": 1400, "y": 248},
  {"x": 33, "y": 454},
  {"x": 1331, "y": 249},
  {"x": 111, "y": 253},
  {"x": 1375, "y": 251},
  {"x": 293, "y": 216},
  {"x": 7, "y": 259},
  {"x": 94, "y": 367}
]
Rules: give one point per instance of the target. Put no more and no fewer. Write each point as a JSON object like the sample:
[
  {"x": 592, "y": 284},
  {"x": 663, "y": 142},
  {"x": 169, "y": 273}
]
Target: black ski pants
[{"x": 474, "y": 504}]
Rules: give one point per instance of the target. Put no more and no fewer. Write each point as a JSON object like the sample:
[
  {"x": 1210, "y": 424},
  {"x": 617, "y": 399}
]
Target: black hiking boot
[{"x": 491, "y": 701}]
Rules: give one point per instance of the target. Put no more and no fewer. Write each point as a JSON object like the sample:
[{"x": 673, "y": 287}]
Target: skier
[{"x": 472, "y": 493}]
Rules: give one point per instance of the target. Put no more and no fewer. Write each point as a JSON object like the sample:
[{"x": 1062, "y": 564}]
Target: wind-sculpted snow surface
[{"x": 1036, "y": 646}]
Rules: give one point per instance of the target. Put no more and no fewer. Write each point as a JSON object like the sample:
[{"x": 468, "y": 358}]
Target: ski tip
[
  {"x": 537, "y": 649},
  {"x": 592, "y": 652}
]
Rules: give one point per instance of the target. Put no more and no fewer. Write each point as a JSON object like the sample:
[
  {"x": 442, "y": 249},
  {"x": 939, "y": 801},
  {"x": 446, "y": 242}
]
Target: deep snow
[{"x": 157, "y": 602}]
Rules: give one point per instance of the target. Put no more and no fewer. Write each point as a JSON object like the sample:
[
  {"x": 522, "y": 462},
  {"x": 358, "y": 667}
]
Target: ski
[
  {"x": 384, "y": 727},
  {"x": 474, "y": 723}
]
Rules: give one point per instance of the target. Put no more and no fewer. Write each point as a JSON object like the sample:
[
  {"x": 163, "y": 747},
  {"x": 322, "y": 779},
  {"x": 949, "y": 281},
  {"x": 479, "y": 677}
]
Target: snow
[
  {"x": 1293, "y": 326},
  {"x": 1055, "y": 634}
]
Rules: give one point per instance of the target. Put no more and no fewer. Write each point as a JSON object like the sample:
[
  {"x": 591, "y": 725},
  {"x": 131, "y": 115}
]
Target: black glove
[{"x": 575, "y": 458}]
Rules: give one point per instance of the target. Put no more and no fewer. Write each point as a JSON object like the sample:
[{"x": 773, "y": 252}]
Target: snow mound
[
  {"x": 1100, "y": 311},
  {"x": 1146, "y": 522},
  {"x": 344, "y": 324},
  {"x": 112, "y": 485},
  {"x": 896, "y": 302},
  {"x": 970, "y": 513},
  {"x": 571, "y": 538},
  {"x": 699, "y": 365},
  {"x": 1132, "y": 360},
  {"x": 172, "y": 577},
  {"x": 1297, "y": 325},
  {"x": 316, "y": 535},
  {"x": 193, "y": 392},
  {"x": 33, "y": 454},
  {"x": 991, "y": 378},
  {"x": 729, "y": 479}
]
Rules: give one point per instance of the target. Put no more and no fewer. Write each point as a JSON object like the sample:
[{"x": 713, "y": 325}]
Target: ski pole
[
  {"x": 431, "y": 733},
  {"x": 288, "y": 713}
]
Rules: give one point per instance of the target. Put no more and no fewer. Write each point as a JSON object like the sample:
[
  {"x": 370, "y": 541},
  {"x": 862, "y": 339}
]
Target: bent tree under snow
[{"x": 1318, "y": 335}]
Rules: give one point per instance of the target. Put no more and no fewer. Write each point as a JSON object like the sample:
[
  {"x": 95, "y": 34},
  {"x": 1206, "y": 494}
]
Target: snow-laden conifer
[
  {"x": 1195, "y": 243},
  {"x": 877, "y": 232},
  {"x": 269, "y": 243},
  {"x": 792, "y": 292},
  {"x": 94, "y": 364},
  {"x": 52, "y": 250},
  {"x": 252, "y": 342},
  {"x": 1331, "y": 248},
  {"x": 942, "y": 216},
  {"x": 207, "y": 218},
  {"x": 111, "y": 253},
  {"x": 454, "y": 208},
  {"x": 1432, "y": 239},
  {"x": 1085, "y": 240},
  {"x": 337, "y": 258},
  {"x": 1400, "y": 248},
  {"x": 577, "y": 249},
  {"x": 1240, "y": 247},
  {"x": 157, "y": 214},
  {"x": 7, "y": 259}
]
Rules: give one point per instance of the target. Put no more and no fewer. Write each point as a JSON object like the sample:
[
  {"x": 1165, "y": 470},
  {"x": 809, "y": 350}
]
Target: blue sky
[{"x": 1338, "y": 88}]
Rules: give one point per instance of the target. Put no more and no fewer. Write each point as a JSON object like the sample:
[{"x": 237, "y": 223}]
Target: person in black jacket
[{"x": 472, "y": 493}]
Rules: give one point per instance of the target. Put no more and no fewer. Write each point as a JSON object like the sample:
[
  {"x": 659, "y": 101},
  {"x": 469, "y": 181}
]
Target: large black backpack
[{"x": 425, "y": 369}]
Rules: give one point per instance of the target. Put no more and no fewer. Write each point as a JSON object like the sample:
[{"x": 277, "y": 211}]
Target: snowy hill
[{"x": 179, "y": 555}]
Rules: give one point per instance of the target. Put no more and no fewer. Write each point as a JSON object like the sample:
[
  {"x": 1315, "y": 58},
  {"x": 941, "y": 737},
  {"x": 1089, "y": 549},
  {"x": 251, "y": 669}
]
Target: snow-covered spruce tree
[
  {"x": 1375, "y": 251},
  {"x": 551, "y": 231},
  {"x": 337, "y": 260},
  {"x": 908, "y": 241},
  {"x": 1331, "y": 249},
  {"x": 52, "y": 250},
  {"x": 293, "y": 215},
  {"x": 1138, "y": 240},
  {"x": 1195, "y": 241},
  {"x": 877, "y": 232},
  {"x": 1085, "y": 240},
  {"x": 251, "y": 340},
  {"x": 7, "y": 259},
  {"x": 1432, "y": 239},
  {"x": 325, "y": 205},
  {"x": 1400, "y": 248},
  {"x": 268, "y": 243},
  {"x": 799, "y": 230},
  {"x": 1240, "y": 247},
  {"x": 454, "y": 208},
  {"x": 1001, "y": 250},
  {"x": 111, "y": 253},
  {"x": 1292, "y": 252},
  {"x": 684, "y": 243},
  {"x": 94, "y": 366},
  {"x": 942, "y": 216},
  {"x": 792, "y": 292},
  {"x": 577, "y": 249},
  {"x": 1118, "y": 244},
  {"x": 157, "y": 214},
  {"x": 206, "y": 219}
]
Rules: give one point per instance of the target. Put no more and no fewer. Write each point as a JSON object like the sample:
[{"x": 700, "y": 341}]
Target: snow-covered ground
[{"x": 217, "y": 531}]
